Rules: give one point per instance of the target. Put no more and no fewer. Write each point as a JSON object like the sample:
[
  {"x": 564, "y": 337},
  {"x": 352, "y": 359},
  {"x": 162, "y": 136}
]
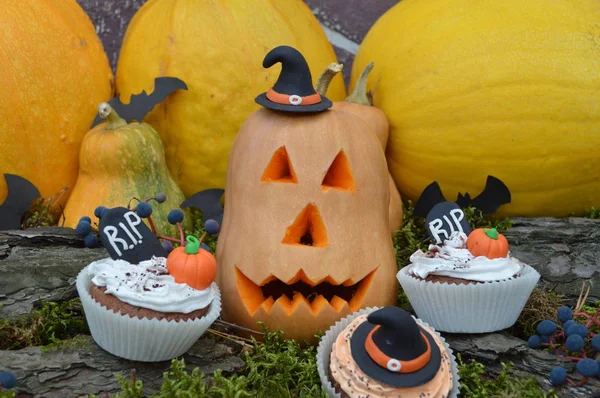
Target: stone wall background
[{"x": 346, "y": 22}]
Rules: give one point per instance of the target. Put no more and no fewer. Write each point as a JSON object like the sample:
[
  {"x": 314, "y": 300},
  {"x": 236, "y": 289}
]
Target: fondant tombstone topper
[
  {"x": 126, "y": 237},
  {"x": 444, "y": 219}
]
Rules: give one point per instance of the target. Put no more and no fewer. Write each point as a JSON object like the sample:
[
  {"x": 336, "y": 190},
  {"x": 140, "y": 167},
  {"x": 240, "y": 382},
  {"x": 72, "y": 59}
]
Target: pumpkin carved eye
[
  {"x": 279, "y": 168},
  {"x": 339, "y": 175}
]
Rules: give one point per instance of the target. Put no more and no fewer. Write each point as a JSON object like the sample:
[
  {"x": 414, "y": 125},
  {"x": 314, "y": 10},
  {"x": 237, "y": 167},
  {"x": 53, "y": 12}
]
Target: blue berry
[
  {"x": 160, "y": 197},
  {"x": 212, "y": 227},
  {"x": 545, "y": 339},
  {"x": 578, "y": 329},
  {"x": 568, "y": 324},
  {"x": 587, "y": 367},
  {"x": 175, "y": 216},
  {"x": 86, "y": 219},
  {"x": 596, "y": 343},
  {"x": 564, "y": 314},
  {"x": 90, "y": 240},
  {"x": 143, "y": 209},
  {"x": 100, "y": 211},
  {"x": 574, "y": 343},
  {"x": 546, "y": 328},
  {"x": 205, "y": 247},
  {"x": 8, "y": 380},
  {"x": 535, "y": 341},
  {"x": 558, "y": 376},
  {"x": 83, "y": 228},
  {"x": 167, "y": 245}
]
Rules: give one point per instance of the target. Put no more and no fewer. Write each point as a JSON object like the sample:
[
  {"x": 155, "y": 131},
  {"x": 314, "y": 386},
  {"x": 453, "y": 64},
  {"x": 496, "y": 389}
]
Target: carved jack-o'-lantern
[{"x": 305, "y": 238}]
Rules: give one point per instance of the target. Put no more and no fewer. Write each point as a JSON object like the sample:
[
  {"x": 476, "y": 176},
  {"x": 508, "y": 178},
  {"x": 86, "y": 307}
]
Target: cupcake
[
  {"x": 152, "y": 310},
  {"x": 468, "y": 284},
  {"x": 386, "y": 353}
]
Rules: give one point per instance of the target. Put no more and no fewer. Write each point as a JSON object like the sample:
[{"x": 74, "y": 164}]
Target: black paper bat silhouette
[
  {"x": 21, "y": 194},
  {"x": 209, "y": 202},
  {"x": 141, "y": 104},
  {"x": 494, "y": 195}
]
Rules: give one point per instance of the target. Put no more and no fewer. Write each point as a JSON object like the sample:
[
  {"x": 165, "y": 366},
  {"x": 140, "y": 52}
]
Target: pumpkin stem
[
  {"x": 492, "y": 233},
  {"x": 359, "y": 95},
  {"x": 327, "y": 76},
  {"x": 193, "y": 246},
  {"x": 114, "y": 121}
]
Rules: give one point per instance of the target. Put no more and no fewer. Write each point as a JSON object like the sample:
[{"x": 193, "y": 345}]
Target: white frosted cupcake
[
  {"x": 468, "y": 284},
  {"x": 139, "y": 312},
  {"x": 386, "y": 353}
]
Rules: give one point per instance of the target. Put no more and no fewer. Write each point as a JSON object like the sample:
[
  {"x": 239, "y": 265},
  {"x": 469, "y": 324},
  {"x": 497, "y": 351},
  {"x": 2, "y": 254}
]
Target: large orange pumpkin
[
  {"x": 305, "y": 238},
  {"x": 54, "y": 73}
]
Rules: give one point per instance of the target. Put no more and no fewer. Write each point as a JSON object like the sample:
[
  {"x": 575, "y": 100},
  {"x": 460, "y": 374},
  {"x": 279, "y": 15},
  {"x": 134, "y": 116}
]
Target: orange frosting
[{"x": 356, "y": 384}]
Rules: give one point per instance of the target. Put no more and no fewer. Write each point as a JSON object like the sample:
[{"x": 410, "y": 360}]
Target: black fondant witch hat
[
  {"x": 393, "y": 349},
  {"x": 293, "y": 91}
]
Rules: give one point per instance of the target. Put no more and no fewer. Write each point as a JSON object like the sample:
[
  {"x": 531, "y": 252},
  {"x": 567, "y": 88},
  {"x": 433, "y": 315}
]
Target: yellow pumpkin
[
  {"x": 54, "y": 73},
  {"x": 305, "y": 238},
  {"x": 505, "y": 88},
  {"x": 119, "y": 161},
  {"x": 216, "y": 47}
]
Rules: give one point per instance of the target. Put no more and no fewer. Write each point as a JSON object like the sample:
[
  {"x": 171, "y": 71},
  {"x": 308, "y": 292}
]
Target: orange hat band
[
  {"x": 393, "y": 364},
  {"x": 296, "y": 100}
]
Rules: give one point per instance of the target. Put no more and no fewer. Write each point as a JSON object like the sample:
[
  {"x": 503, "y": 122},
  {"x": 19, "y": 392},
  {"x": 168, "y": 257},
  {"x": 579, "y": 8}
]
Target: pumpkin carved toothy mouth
[{"x": 300, "y": 290}]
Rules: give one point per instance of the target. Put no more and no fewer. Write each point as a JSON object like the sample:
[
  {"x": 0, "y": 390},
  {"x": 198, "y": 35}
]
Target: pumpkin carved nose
[{"x": 307, "y": 229}]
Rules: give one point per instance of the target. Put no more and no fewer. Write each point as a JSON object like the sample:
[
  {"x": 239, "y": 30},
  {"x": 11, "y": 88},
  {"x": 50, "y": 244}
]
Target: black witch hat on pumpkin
[
  {"x": 293, "y": 91},
  {"x": 393, "y": 349}
]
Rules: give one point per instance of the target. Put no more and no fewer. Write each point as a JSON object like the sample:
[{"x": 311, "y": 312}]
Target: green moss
[
  {"x": 592, "y": 213},
  {"x": 590, "y": 310},
  {"x": 275, "y": 368},
  {"x": 476, "y": 383},
  {"x": 7, "y": 394},
  {"x": 79, "y": 341},
  {"x": 48, "y": 324},
  {"x": 39, "y": 216},
  {"x": 198, "y": 230},
  {"x": 542, "y": 304}
]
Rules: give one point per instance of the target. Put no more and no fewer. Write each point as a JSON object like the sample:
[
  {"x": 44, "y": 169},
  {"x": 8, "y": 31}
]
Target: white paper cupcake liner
[
  {"x": 146, "y": 340},
  {"x": 326, "y": 345},
  {"x": 474, "y": 308}
]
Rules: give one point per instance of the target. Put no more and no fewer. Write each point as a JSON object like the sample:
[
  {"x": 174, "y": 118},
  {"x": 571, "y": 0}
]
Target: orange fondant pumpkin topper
[
  {"x": 192, "y": 265},
  {"x": 306, "y": 236},
  {"x": 487, "y": 242}
]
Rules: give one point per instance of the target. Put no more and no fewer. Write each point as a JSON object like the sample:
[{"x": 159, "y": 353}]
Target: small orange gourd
[
  {"x": 487, "y": 242},
  {"x": 191, "y": 265}
]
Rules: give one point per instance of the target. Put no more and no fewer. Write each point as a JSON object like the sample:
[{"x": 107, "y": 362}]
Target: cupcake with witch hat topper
[
  {"x": 293, "y": 91},
  {"x": 148, "y": 301},
  {"x": 386, "y": 353},
  {"x": 467, "y": 281}
]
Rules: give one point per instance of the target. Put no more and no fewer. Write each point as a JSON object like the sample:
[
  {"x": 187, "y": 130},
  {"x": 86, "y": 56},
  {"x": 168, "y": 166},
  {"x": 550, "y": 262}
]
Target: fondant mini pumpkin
[
  {"x": 487, "y": 242},
  {"x": 192, "y": 265},
  {"x": 305, "y": 238}
]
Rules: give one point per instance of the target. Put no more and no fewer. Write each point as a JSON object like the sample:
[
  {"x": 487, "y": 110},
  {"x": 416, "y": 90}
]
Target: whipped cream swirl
[
  {"x": 148, "y": 285},
  {"x": 454, "y": 260}
]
